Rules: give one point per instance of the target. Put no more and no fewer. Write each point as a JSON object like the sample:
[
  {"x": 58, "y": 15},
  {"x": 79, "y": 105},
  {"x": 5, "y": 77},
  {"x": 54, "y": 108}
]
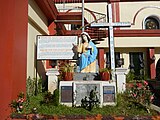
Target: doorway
[
  {"x": 137, "y": 64},
  {"x": 158, "y": 70}
]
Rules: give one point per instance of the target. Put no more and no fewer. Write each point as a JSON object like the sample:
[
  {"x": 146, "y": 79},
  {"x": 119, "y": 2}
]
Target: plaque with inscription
[
  {"x": 56, "y": 47},
  {"x": 83, "y": 90},
  {"x": 108, "y": 94},
  {"x": 66, "y": 94}
]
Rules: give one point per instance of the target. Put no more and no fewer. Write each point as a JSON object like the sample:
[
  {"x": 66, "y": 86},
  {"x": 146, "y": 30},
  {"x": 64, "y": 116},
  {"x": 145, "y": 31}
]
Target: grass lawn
[{"x": 123, "y": 107}]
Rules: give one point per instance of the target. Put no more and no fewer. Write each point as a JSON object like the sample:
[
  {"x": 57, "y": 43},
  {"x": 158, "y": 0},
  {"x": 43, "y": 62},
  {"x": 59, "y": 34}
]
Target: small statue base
[{"x": 86, "y": 77}]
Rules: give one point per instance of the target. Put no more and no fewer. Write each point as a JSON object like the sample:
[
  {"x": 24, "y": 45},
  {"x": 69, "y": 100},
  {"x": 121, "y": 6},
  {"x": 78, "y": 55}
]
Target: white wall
[
  {"x": 129, "y": 9},
  {"x": 37, "y": 25}
]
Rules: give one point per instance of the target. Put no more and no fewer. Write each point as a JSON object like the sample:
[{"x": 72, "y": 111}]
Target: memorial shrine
[{"x": 86, "y": 76}]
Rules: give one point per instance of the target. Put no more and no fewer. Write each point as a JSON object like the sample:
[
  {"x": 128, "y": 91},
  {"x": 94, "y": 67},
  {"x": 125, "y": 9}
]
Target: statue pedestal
[
  {"x": 121, "y": 79},
  {"x": 52, "y": 79},
  {"x": 72, "y": 92}
]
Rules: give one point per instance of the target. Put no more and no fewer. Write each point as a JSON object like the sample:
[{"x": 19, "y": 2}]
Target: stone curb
[{"x": 79, "y": 117}]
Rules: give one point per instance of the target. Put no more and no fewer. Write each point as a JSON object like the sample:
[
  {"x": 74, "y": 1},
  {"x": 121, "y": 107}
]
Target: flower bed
[{"x": 134, "y": 104}]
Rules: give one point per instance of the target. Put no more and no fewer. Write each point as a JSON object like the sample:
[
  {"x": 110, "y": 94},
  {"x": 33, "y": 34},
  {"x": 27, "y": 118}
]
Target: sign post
[{"x": 110, "y": 25}]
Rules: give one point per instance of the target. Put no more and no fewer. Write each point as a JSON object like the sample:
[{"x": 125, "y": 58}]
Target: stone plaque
[
  {"x": 84, "y": 89},
  {"x": 66, "y": 94},
  {"x": 108, "y": 93}
]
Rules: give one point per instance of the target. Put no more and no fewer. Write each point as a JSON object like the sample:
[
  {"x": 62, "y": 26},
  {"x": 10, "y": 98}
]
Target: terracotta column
[
  {"x": 101, "y": 57},
  {"x": 152, "y": 63},
  {"x": 13, "y": 47}
]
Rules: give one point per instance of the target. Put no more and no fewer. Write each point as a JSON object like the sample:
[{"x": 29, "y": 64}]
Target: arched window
[{"x": 152, "y": 23}]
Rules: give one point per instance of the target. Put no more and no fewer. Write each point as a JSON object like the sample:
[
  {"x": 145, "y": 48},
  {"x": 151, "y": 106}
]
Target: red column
[
  {"x": 52, "y": 31},
  {"x": 101, "y": 57},
  {"x": 152, "y": 63},
  {"x": 13, "y": 47}
]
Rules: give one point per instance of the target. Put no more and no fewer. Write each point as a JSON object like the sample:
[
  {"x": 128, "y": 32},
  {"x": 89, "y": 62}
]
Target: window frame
[{"x": 151, "y": 16}]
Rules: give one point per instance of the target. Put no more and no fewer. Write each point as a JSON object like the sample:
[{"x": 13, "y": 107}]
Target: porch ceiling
[
  {"x": 70, "y": 18},
  {"x": 96, "y": 1}
]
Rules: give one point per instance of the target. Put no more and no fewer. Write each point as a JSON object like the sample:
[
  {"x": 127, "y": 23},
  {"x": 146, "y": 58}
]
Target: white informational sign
[{"x": 56, "y": 47}]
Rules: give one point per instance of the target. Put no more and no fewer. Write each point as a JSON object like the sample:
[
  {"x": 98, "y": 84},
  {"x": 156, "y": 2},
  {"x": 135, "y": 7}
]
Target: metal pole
[{"x": 82, "y": 15}]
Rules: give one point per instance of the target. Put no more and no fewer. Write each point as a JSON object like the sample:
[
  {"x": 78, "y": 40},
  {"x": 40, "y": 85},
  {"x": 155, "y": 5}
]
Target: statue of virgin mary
[{"x": 88, "y": 51}]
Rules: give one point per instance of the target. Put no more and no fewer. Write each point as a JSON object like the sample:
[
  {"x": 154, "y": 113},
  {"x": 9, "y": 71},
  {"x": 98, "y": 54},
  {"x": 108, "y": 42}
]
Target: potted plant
[
  {"x": 67, "y": 71},
  {"x": 105, "y": 74}
]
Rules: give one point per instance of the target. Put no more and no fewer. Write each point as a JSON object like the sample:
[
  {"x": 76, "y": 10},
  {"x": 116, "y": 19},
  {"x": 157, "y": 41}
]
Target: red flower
[
  {"x": 151, "y": 98},
  {"x": 130, "y": 85},
  {"x": 134, "y": 95},
  {"x": 139, "y": 85},
  {"x": 20, "y": 107},
  {"x": 145, "y": 82}
]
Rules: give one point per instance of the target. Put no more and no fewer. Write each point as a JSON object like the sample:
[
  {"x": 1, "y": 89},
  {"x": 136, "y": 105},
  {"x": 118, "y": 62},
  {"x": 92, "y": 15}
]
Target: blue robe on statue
[{"x": 88, "y": 57}]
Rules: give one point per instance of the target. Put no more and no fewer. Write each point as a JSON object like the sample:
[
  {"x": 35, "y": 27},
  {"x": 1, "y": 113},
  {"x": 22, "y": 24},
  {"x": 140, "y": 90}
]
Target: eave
[
  {"x": 48, "y": 8},
  {"x": 124, "y": 33},
  {"x": 136, "y": 33}
]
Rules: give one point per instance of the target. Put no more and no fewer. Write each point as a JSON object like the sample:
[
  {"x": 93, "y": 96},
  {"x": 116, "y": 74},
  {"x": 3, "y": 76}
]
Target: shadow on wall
[
  {"x": 42, "y": 73},
  {"x": 40, "y": 70}
]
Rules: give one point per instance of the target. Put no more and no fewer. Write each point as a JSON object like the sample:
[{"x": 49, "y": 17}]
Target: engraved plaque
[
  {"x": 83, "y": 90},
  {"x": 66, "y": 94},
  {"x": 108, "y": 94}
]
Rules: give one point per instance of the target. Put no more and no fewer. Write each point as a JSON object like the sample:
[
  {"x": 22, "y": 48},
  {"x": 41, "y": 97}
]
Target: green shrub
[
  {"x": 91, "y": 101},
  {"x": 33, "y": 87},
  {"x": 56, "y": 97},
  {"x": 30, "y": 87},
  {"x": 49, "y": 98},
  {"x": 139, "y": 93},
  {"x": 130, "y": 77}
]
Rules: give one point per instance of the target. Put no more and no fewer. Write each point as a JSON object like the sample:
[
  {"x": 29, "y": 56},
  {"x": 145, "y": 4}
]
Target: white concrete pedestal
[
  {"x": 121, "y": 79},
  {"x": 52, "y": 79},
  {"x": 72, "y": 92}
]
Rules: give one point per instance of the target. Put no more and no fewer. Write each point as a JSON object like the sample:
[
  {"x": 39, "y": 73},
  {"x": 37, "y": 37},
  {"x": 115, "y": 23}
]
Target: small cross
[{"x": 110, "y": 25}]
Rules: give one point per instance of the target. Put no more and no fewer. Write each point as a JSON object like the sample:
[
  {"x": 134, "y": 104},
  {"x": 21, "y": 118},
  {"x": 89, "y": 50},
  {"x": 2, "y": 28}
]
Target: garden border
[{"x": 81, "y": 117}]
